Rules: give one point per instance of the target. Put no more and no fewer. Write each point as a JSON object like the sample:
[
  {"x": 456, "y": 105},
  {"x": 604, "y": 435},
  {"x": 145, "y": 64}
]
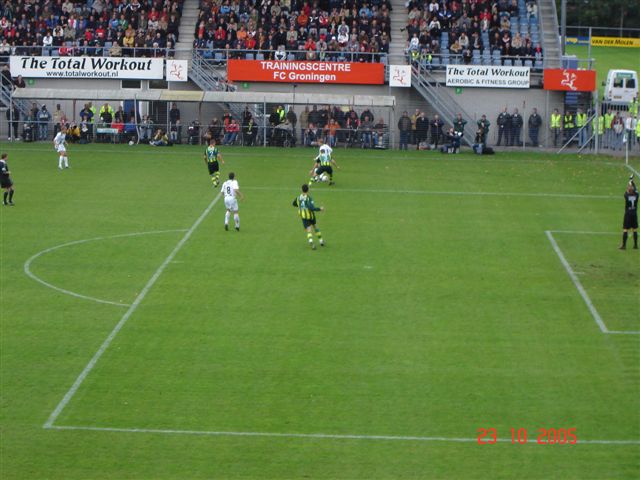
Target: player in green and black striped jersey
[
  {"x": 307, "y": 211},
  {"x": 322, "y": 170},
  {"x": 211, "y": 157}
]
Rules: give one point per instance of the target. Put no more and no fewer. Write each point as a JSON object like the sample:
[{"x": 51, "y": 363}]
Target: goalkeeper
[
  {"x": 630, "y": 221},
  {"x": 322, "y": 170}
]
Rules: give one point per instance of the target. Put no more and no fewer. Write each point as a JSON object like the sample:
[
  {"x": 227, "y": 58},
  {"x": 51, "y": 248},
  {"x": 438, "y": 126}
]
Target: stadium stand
[
  {"x": 86, "y": 27},
  {"x": 482, "y": 32},
  {"x": 294, "y": 30}
]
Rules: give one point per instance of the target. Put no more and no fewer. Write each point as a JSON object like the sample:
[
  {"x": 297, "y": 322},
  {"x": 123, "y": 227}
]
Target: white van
[{"x": 621, "y": 86}]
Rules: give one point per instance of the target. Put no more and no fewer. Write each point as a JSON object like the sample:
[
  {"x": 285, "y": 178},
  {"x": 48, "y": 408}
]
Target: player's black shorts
[
  {"x": 324, "y": 169},
  {"x": 213, "y": 167},
  {"x": 6, "y": 182},
  {"x": 630, "y": 220},
  {"x": 306, "y": 223}
]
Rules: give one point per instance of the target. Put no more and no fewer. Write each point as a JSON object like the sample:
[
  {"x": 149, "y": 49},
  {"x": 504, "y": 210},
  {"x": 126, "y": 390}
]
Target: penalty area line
[
  {"x": 576, "y": 282},
  {"x": 132, "y": 308},
  {"x": 402, "y": 438}
]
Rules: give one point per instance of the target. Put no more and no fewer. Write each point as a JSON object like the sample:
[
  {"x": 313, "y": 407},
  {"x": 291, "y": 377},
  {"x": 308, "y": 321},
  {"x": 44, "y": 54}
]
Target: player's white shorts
[
  {"x": 61, "y": 148},
  {"x": 231, "y": 203}
]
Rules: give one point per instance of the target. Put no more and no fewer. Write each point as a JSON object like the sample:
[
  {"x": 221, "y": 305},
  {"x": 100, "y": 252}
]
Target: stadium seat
[
  {"x": 508, "y": 62},
  {"x": 259, "y": 56},
  {"x": 248, "y": 56},
  {"x": 528, "y": 63}
]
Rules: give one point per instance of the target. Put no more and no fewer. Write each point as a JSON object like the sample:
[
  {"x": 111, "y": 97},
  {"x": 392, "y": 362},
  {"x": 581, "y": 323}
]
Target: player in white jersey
[
  {"x": 322, "y": 170},
  {"x": 59, "y": 143},
  {"x": 231, "y": 192},
  {"x": 325, "y": 149}
]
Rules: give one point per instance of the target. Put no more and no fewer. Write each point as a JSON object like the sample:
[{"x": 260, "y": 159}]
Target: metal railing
[
  {"x": 220, "y": 56},
  {"x": 283, "y": 135},
  {"x": 71, "y": 49},
  {"x": 442, "y": 60},
  {"x": 439, "y": 99}
]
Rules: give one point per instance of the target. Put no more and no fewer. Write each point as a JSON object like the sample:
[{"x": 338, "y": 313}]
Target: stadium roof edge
[{"x": 197, "y": 96}]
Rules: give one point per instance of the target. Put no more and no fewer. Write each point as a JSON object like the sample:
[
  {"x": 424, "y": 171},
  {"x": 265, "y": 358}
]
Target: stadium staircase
[
  {"x": 399, "y": 19},
  {"x": 5, "y": 102},
  {"x": 190, "y": 11},
  {"x": 550, "y": 39},
  {"x": 438, "y": 97}
]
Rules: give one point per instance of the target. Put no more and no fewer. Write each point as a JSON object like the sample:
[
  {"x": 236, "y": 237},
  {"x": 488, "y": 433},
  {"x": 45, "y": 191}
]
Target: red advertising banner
[
  {"x": 569, "y": 80},
  {"x": 305, "y": 72}
]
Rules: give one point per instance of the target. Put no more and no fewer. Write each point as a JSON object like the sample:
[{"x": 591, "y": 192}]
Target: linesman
[
  {"x": 630, "y": 221},
  {"x": 5, "y": 181}
]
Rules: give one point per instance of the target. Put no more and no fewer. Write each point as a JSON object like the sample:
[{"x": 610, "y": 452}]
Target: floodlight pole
[
  {"x": 589, "y": 49},
  {"x": 626, "y": 148},
  {"x": 563, "y": 26},
  {"x": 12, "y": 130},
  {"x": 596, "y": 126}
]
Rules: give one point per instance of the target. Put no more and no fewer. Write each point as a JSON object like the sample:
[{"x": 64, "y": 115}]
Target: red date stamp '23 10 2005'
[{"x": 520, "y": 436}]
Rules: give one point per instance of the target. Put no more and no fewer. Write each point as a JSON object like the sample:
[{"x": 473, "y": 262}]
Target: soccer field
[{"x": 456, "y": 293}]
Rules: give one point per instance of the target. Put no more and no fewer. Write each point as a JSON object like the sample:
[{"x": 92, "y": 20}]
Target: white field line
[
  {"x": 27, "y": 264},
  {"x": 576, "y": 282},
  {"x": 578, "y": 285},
  {"x": 390, "y": 153},
  {"x": 635, "y": 172},
  {"x": 583, "y": 232},
  {"x": 456, "y": 194},
  {"x": 132, "y": 308},
  {"x": 320, "y": 435}
]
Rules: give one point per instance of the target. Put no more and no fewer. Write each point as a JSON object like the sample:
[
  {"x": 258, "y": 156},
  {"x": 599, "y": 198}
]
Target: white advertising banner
[
  {"x": 87, "y": 67},
  {"x": 177, "y": 70},
  {"x": 488, "y": 77},
  {"x": 399, "y": 75}
]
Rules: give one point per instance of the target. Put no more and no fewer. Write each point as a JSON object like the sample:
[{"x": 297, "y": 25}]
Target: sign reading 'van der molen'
[
  {"x": 488, "y": 77},
  {"x": 87, "y": 67}
]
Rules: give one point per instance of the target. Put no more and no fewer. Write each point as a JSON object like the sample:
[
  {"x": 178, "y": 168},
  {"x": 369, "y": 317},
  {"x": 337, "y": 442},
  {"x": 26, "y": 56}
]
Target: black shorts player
[
  {"x": 630, "y": 221},
  {"x": 213, "y": 167},
  {"x": 212, "y": 157},
  {"x": 6, "y": 183}
]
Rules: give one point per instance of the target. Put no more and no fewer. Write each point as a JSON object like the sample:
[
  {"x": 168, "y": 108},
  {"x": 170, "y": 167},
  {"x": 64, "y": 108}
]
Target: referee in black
[
  {"x": 5, "y": 181},
  {"x": 630, "y": 214}
]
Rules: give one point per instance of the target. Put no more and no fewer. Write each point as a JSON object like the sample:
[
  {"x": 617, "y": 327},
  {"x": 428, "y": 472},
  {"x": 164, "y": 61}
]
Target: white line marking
[
  {"x": 319, "y": 435},
  {"x": 581, "y": 232},
  {"x": 465, "y": 193},
  {"x": 632, "y": 169},
  {"x": 625, "y": 332},
  {"x": 576, "y": 282},
  {"x": 132, "y": 308},
  {"x": 27, "y": 264}
]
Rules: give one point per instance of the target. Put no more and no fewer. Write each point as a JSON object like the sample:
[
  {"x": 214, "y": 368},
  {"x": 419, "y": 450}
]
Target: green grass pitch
[{"x": 438, "y": 307}]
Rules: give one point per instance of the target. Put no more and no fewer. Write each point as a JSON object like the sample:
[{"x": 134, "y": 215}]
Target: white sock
[
  {"x": 66, "y": 161},
  {"x": 226, "y": 218},
  {"x": 60, "y": 160},
  {"x": 236, "y": 219}
]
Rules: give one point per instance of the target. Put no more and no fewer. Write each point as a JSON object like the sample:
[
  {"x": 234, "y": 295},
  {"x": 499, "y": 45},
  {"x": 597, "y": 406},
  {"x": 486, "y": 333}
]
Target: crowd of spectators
[
  {"x": 313, "y": 29},
  {"x": 283, "y": 127},
  {"x": 89, "y": 27},
  {"x": 478, "y": 32}
]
